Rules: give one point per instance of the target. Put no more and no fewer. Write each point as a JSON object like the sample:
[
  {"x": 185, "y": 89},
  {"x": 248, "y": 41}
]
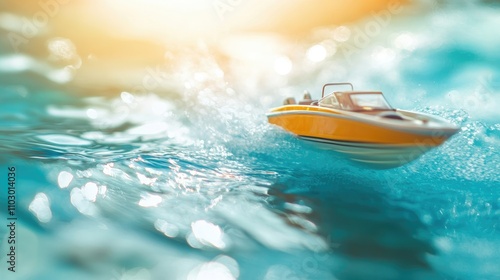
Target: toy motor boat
[{"x": 362, "y": 126}]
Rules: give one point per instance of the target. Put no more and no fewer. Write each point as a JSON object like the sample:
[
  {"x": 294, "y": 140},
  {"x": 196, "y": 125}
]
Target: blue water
[{"x": 186, "y": 180}]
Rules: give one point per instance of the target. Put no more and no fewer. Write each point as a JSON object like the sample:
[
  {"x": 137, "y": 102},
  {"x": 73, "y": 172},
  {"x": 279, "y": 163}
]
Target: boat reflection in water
[{"x": 362, "y": 126}]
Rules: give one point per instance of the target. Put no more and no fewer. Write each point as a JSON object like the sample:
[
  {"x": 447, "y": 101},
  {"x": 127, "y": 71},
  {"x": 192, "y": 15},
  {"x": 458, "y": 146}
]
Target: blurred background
[{"x": 142, "y": 150}]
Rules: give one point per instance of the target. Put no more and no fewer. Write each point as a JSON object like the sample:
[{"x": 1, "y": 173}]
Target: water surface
[{"x": 169, "y": 170}]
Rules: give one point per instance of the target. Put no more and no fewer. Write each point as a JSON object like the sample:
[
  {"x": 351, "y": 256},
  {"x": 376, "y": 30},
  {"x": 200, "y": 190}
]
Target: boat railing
[{"x": 334, "y": 84}]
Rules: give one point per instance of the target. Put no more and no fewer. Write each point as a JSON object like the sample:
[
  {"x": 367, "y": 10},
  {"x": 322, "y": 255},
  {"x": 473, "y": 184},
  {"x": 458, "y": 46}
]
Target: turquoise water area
[{"x": 186, "y": 180}]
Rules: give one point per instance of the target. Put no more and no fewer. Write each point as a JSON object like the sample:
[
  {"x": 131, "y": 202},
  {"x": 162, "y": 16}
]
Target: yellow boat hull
[{"x": 366, "y": 139}]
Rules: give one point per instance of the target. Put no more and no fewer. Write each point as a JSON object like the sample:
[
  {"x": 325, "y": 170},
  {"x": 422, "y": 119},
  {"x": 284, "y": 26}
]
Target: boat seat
[
  {"x": 306, "y": 100},
  {"x": 289, "y": 101}
]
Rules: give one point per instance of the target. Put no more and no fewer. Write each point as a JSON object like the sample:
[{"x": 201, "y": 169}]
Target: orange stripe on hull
[{"x": 344, "y": 129}]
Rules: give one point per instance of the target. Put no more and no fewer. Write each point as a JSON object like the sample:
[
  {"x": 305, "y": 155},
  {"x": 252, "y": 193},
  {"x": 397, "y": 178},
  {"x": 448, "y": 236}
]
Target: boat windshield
[{"x": 370, "y": 101}]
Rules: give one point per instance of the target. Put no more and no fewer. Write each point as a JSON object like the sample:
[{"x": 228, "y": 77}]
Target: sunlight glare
[
  {"x": 40, "y": 207},
  {"x": 208, "y": 233},
  {"x": 210, "y": 271},
  {"x": 166, "y": 228},
  {"x": 64, "y": 179},
  {"x": 150, "y": 200},
  {"x": 283, "y": 65},
  {"x": 316, "y": 53},
  {"x": 90, "y": 191}
]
